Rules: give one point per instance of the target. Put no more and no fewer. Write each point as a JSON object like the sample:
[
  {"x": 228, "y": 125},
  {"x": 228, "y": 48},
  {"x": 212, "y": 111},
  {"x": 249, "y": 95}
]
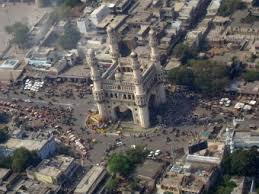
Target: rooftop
[
  {"x": 4, "y": 172},
  {"x": 9, "y": 64},
  {"x": 28, "y": 186},
  {"x": 54, "y": 166},
  {"x": 29, "y": 144},
  {"x": 149, "y": 169},
  {"x": 86, "y": 184}
]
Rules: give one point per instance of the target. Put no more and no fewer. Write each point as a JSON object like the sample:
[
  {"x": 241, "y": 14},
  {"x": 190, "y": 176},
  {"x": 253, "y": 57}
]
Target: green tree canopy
[
  {"x": 242, "y": 163},
  {"x": 209, "y": 76},
  {"x": 184, "y": 52},
  {"x": 111, "y": 185},
  {"x": 4, "y": 134},
  {"x": 228, "y": 7},
  {"x": 70, "y": 38},
  {"x": 72, "y": 3},
  {"x": 136, "y": 155},
  {"x": 226, "y": 187},
  {"x": 119, "y": 164},
  {"x": 181, "y": 76},
  {"x": 202, "y": 75},
  {"x": 124, "y": 163},
  {"x": 251, "y": 75},
  {"x": 19, "y": 32},
  {"x": 23, "y": 158}
]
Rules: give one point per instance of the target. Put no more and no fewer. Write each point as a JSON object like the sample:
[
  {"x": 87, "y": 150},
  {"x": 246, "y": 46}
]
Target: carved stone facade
[{"x": 129, "y": 82}]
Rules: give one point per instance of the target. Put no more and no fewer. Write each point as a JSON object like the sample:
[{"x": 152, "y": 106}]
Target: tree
[
  {"x": 228, "y": 7},
  {"x": 184, "y": 52},
  {"x": 136, "y": 155},
  {"x": 181, "y": 76},
  {"x": 70, "y": 38},
  {"x": 19, "y": 32},
  {"x": 209, "y": 76},
  {"x": 111, "y": 185},
  {"x": 251, "y": 75},
  {"x": 72, "y": 3},
  {"x": 23, "y": 158},
  {"x": 119, "y": 164},
  {"x": 4, "y": 135},
  {"x": 5, "y": 162},
  {"x": 242, "y": 163},
  {"x": 201, "y": 75}
]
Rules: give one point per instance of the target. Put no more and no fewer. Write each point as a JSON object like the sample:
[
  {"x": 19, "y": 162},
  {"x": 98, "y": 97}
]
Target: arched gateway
[{"x": 129, "y": 82}]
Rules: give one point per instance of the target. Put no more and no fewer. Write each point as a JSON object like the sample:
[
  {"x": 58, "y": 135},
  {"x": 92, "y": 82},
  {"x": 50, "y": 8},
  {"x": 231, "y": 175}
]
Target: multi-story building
[{"x": 53, "y": 171}]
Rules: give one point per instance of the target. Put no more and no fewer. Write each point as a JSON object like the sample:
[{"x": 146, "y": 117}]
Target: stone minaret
[
  {"x": 153, "y": 43},
  {"x": 97, "y": 84},
  {"x": 113, "y": 43},
  {"x": 114, "y": 49},
  {"x": 38, "y": 3},
  {"x": 140, "y": 94},
  {"x": 155, "y": 59}
]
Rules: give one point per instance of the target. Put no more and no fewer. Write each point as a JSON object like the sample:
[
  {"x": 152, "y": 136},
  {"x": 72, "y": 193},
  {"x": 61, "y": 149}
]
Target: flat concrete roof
[
  {"x": 9, "y": 64},
  {"x": 149, "y": 169},
  {"x": 30, "y": 145},
  {"x": 90, "y": 179},
  {"x": 54, "y": 166}
]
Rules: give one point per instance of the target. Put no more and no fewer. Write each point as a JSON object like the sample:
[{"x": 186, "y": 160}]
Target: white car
[
  {"x": 133, "y": 146},
  {"x": 119, "y": 143},
  {"x": 151, "y": 153},
  {"x": 157, "y": 152},
  {"x": 28, "y": 100}
]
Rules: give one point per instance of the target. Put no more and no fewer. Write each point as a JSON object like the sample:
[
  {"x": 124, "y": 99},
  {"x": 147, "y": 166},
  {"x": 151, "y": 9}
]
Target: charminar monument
[{"x": 129, "y": 83}]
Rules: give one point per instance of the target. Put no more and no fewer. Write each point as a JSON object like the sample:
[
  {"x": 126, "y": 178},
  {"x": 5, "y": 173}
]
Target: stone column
[
  {"x": 140, "y": 94},
  {"x": 155, "y": 59},
  {"x": 98, "y": 92}
]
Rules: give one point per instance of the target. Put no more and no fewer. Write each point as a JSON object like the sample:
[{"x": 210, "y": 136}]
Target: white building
[
  {"x": 10, "y": 64},
  {"x": 91, "y": 180},
  {"x": 82, "y": 25},
  {"x": 99, "y": 14},
  {"x": 213, "y": 8},
  {"x": 44, "y": 147}
]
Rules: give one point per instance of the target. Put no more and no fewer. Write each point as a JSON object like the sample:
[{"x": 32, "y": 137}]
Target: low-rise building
[
  {"x": 54, "y": 170},
  {"x": 44, "y": 147},
  {"x": 240, "y": 30},
  {"x": 28, "y": 186},
  {"x": 256, "y": 48},
  {"x": 91, "y": 180},
  {"x": 213, "y": 8},
  {"x": 4, "y": 173},
  {"x": 10, "y": 64},
  {"x": 196, "y": 174},
  {"x": 148, "y": 173},
  {"x": 99, "y": 14}
]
